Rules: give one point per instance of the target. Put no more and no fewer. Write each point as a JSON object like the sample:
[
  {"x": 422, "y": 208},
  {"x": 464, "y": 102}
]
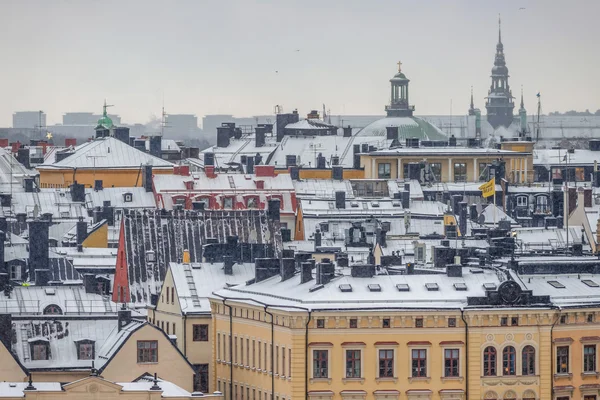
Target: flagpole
[{"x": 494, "y": 204}]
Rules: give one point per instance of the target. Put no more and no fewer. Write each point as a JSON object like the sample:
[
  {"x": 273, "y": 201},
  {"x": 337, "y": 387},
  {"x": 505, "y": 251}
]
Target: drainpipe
[
  {"x": 552, "y": 352},
  {"x": 306, "y": 356},
  {"x": 462, "y": 316},
  {"x": 230, "y": 350},
  {"x": 185, "y": 335},
  {"x": 272, "y": 353}
]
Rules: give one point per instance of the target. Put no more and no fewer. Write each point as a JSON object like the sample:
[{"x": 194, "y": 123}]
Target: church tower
[
  {"x": 399, "y": 106},
  {"x": 499, "y": 103}
]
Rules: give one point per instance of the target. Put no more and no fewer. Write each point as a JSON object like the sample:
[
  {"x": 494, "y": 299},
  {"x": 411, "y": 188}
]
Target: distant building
[
  {"x": 181, "y": 125},
  {"x": 29, "y": 119},
  {"x": 86, "y": 118}
]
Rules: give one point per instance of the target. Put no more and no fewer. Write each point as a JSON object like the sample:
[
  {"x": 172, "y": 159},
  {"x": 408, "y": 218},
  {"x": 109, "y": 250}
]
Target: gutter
[
  {"x": 272, "y": 353},
  {"x": 462, "y": 316},
  {"x": 230, "y": 349},
  {"x": 552, "y": 352},
  {"x": 306, "y": 356}
]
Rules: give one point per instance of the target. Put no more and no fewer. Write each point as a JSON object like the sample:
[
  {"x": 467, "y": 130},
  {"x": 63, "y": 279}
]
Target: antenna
[
  {"x": 39, "y": 125},
  {"x": 539, "y": 112}
]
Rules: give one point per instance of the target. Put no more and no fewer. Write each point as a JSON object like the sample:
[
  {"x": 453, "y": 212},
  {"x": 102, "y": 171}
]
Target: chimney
[
  {"x": 209, "y": 171},
  {"x": 250, "y": 165},
  {"x": 260, "y": 184},
  {"x": 90, "y": 283},
  {"x": 28, "y": 183},
  {"x": 325, "y": 272},
  {"x": 259, "y": 136},
  {"x": 306, "y": 272},
  {"x": 287, "y": 268},
  {"x": 381, "y": 237},
  {"x": 123, "y": 317},
  {"x": 82, "y": 231},
  {"x": 42, "y": 276},
  {"x": 147, "y": 178},
  {"x": 6, "y": 331},
  {"x": 473, "y": 212},
  {"x": 121, "y": 133},
  {"x": 406, "y": 200},
  {"x": 4, "y": 142},
  {"x": 223, "y": 136},
  {"x": 23, "y": 157},
  {"x": 348, "y": 131},
  {"x": 317, "y": 239},
  {"x": 264, "y": 170},
  {"x": 156, "y": 145},
  {"x": 587, "y": 197},
  {"x": 5, "y": 201},
  {"x": 228, "y": 265},
  {"x": 295, "y": 173},
  {"x": 392, "y": 132},
  {"x": 321, "y": 162},
  {"x": 462, "y": 206},
  {"x": 454, "y": 270},
  {"x": 337, "y": 173},
  {"x": 340, "y": 200},
  {"x": 38, "y": 247},
  {"x": 265, "y": 268},
  {"x": 452, "y": 141},
  {"x": 356, "y": 156},
  {"x": 209, "y": 159},
  {"x": 273, "y": 209}
]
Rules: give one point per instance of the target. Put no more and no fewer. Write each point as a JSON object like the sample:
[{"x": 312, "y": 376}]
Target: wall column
[
  {"x": 475, "y": 170},
  {"x": 374, "y": 172},
  {"x": 399, "y": 167},
  {"x": 449, "y": 179}
]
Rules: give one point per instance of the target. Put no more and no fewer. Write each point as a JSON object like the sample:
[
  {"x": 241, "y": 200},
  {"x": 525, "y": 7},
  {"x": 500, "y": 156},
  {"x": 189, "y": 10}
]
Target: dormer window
[
  {"x": 85, "y": 349},
  {"x": 522, "y": 201},
  {"x": 52, "y": 309},
  {"x": 127, "y": 197},
  {"x": 228, "y": 202},
  {"x": 40, "y": 349},
  {"x": 252, "y": 202}
]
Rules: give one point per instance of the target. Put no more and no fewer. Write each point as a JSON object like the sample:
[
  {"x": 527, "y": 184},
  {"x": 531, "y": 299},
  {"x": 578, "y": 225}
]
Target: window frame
[
  {"x": 320, "y": 363},
  {"x": 562, "y": 357},
  {"x": 590, "y": 360},
  {"x": 528, "y": 354},
  {"x": 509, "y": 361},
  {"x": 454, "y": 362},
  {"x": 200, "y": 332},
  {"x": 35, "y": 349},
  {"x": 147, "y": 355},
  {"x": 387, "y": 170},
  {"x": 91, "y": 349},
  {"x": 418, "y": 363},
  {"x": 462, "y": 175},
  {"x": 353, "y": 363},
  {"x": 490, "y": 361},
  {"x": 200, "y": 371},
  {"x": 390, "y": 362}
]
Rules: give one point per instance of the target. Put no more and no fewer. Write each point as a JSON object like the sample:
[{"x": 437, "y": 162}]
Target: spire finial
[
  {"x": 522, "y": 103},
  {"x": 399, "y": 66},
  {"x": 472, "y": 105},
  {"x": 104, "y": 109},
  {"x": 499, "y": 29}
]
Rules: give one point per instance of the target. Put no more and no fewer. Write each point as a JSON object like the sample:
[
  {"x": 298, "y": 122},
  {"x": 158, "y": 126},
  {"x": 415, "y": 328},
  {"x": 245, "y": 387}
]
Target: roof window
[
  {"x": 489, "y": 286},
  {"x": 460, "y": 286},
  {"x": 556, "y": 284},
  {"x": 345, "y": 287},
  {"x": 432, "y": 287},
  {"x": 374, "y": 287},
  {"x": 590, "y": 283},
  {"x": 403, "y": 287}
]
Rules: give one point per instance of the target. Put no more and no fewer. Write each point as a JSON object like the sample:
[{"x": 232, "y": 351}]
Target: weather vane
[{"x": 399, "y": 66}]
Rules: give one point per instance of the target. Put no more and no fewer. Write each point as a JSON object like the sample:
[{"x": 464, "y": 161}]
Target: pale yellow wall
[
  {"x": 171, "y": 365},
  {"x": 111, "y": 177},
  {"x": 98, "y": 238},
  {"x": 59, "y": 376},
  {"x": 9, "y": 368},
  {"x": 513, "y": 163}
]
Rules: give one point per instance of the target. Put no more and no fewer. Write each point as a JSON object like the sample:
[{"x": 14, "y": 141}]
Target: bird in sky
[{"x": 522, "y": 8}]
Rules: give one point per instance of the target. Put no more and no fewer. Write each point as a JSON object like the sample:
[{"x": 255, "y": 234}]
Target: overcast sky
[{"x": 222, "y": 57}]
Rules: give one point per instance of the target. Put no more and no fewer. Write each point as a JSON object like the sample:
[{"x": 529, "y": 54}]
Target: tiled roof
[{"x": 107, "y": 153}]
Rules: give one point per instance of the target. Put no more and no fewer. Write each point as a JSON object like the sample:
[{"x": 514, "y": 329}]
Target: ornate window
[
  {"x": 528, "y": 361},
  {"x": 589, "y": 358},
  {"x": 52, "y": 309},
  {"x": 419, "y": 363},
  {"x": 509, "y": 361},
  {"x": 489, "y": 361},
  {"x": 562, "y": 360},
  {"x": 386, "y": 363},
  {"x": 451, "y": 366}
]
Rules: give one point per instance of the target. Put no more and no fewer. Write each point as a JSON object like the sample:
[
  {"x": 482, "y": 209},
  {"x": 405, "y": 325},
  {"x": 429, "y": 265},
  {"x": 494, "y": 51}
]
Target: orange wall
[{"x": 111, "y": 177}]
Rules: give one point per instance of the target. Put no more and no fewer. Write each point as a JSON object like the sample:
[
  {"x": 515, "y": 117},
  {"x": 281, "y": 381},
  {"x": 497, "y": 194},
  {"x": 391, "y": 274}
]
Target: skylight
[
  {"x": 556, "y": 284},
  {"x": 354, "y": 204},
  {"x": 489, "y": 286},
  {"x": 460, "y": 286},
  {"x": 432, "y": 287},
  {"x": 374, "y": 287},
  {"x": 396, "y": 203},
  {"x": 403, "y": 287},
  {"x": 345, "y": 287},
  {"x": 374, "y": 204},
  {"x": 590, "y": 283}
]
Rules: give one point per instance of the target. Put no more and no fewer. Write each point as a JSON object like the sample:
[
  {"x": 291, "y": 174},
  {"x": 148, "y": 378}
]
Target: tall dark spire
[
  {"x": 472, "y": 106},
  {"x": 522, "y": 102},
  {"x": 499, "y": 101}
]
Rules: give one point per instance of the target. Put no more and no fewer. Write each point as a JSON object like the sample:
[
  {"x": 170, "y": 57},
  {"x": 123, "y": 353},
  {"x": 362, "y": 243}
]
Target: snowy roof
[
  {"x": 17, "y": 389},
  {"x": 499, "y": 215},
  {"x": 370, "y": 207},
  {"x": 12, "y": 173},
  {"x": 140, "y": 198},
  {"x": 226, "y": 182},
  {"x": 107, "y": 153},
  {"x": 165, "y": 145},
  {"x": 530, "y": 239},
  {"x": 310, "y": 124},
  {"x": 575, "y": 292},
  {"x": 57, "y": 202},
  {"x": 206, "y": 277},
  {"x": 441, "y": 151},
  {"x": 292, "y": 293},
  {"x": 548, "y": 157},
  {"x": 72, "y": 300}
]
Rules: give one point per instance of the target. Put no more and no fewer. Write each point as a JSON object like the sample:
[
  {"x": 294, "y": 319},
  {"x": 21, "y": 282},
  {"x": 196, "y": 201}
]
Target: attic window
[
  {"x": 374, "y": 204},
  {"x": 403, "y": 287},
  {"x": 52, "y": 309},
  {"x": 432, "y": 287},
  {"x": 396, "y": 203},
  {"x": 556, "y": 284},
  {"x": 345, "y": 287},
  {"x": 489, "y": 286},
  {"x": 460, "y": 286},
  {"x": 127, "y": 197},
  {"x": 354, "y": 204},
  {"x": 40, "y": 350},
  {"x": 590, "y": 283},
  {"x": 85, "y": 349},
  {"x": 50, "y": 291},
  {"x": 374, "y": 287}
]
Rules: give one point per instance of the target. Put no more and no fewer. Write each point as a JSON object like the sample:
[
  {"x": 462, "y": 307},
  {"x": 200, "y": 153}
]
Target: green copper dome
[{"x": 105, "y": 122}]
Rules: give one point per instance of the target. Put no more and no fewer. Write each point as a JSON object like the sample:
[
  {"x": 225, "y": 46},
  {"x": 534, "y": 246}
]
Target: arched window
[
  {"x": 52, "y": 309},
  {"x": 489, "y": 361},
  {"x": 528, "y": 360},
  {"x": 508, "y": 361}
]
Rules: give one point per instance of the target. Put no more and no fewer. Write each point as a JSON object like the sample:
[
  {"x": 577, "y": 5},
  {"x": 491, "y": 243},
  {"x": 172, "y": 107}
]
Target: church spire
[
  {"x": 499, "y": 29},
  {"x": 522, "y": 102},
  {"x": 472, "y": 106},
  {"x": 499, "y": 103}
]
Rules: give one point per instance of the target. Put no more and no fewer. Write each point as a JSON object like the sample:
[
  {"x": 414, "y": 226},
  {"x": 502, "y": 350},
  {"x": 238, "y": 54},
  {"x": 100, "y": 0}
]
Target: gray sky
[{"x": 212, "y": 57}]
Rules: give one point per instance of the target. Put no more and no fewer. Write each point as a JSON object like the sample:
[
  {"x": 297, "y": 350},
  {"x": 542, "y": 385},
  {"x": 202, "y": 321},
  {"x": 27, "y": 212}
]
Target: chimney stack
[
  {"x": 317, "y": 239},
  {"x": 38, "y": 248},
  {"x": 228, "y": 265},
  {"x": 340, "y": 200},
  {"x": 287, "y": 268},
  {"x": 306, "y": 272},
  {"x": 123, "y": 317}
]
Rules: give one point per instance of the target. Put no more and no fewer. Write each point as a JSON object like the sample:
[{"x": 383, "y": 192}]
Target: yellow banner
[{"x": 488, "y": 189}]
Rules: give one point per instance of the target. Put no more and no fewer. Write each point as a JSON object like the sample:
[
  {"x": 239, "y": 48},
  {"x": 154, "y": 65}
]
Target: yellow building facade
[{"x": 452, "y": 164}]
